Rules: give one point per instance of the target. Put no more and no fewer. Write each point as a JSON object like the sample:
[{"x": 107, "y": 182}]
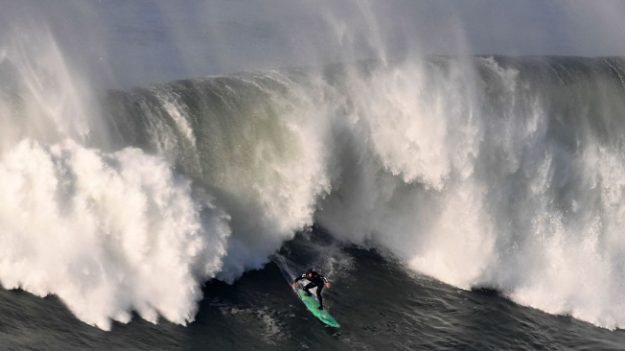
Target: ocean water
[
  {"x": 456, "y": 202},
  {"x": 379, "y": 303}
]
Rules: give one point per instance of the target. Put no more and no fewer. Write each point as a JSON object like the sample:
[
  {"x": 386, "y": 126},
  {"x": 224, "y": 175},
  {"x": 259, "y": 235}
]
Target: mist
[{"x": 120, "y": 43}]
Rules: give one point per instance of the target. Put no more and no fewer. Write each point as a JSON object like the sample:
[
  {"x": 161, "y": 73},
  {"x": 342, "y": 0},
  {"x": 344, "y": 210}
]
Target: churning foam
[
  {"x": 468, "y": 176},
  {"x": 107, "y": 233},
  {"x": 510, "y": 197}
]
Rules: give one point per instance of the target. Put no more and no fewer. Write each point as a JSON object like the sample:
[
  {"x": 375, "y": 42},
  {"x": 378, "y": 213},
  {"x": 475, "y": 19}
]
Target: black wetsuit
[{"x": 316, "y": 280}]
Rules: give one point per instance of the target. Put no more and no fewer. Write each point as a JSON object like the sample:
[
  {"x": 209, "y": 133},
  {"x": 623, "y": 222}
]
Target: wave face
[
  {"x": 497, "y": 172},
  {"x": 500, "y": 172}
]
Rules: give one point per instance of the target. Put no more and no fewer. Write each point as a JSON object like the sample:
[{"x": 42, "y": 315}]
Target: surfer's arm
[
  {"x": 326, "y": 282},
  {"x": 297, "y": 279}
]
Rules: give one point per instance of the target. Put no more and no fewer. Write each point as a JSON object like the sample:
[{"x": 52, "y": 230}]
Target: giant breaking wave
[{"x": 497, "y": 172}]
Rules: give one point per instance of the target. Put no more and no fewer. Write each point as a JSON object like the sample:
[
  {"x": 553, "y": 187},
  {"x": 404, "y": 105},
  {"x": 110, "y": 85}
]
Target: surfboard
[{"x": 313, "y": 306}]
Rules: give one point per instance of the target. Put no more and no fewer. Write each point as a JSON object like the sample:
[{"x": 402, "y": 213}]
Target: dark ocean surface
[{"x": 379, "y": 304}]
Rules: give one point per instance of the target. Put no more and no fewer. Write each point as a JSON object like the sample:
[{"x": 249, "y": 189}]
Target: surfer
[{"x": 316, "y": 280}]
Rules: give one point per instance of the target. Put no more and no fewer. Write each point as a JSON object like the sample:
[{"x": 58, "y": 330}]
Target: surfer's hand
[
  {"x": 328, "y": 285},
  {"x": 293, "y": 285}
]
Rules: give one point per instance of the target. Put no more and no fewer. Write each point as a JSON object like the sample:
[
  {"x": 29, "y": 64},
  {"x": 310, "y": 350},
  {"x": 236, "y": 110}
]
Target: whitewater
[
  {"x": 483, "y": 172},
  {"x": 499, "y": 173}
]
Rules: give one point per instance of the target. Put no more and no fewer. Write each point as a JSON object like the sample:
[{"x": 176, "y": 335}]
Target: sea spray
[
  {"x": 112, "y": 229},
  {"x": 502, "y": 173},
  {"x": 107, "y": 233},
  {"x": 481, "y": 174}
]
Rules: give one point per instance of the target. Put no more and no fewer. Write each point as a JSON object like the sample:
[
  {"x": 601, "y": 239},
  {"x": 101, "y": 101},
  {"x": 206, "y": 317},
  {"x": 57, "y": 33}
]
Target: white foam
[
  {"x": 107, "y": 233},
  {"x": 405, "y": 159},
  {"x": 501, "y": 204}
]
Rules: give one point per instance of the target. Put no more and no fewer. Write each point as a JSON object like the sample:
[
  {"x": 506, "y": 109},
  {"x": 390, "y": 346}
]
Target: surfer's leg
[
  {"x": 307, "y": 287},
  {"x": 319, "y": 288}
]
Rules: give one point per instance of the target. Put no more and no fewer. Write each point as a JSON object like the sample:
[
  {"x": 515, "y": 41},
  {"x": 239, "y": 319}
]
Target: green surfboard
[{"x": 313, "y": 306}]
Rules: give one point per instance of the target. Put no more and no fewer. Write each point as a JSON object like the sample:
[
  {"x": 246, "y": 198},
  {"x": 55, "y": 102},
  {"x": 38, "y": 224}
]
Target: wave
[
  {"x": 494, "y": 172},
  {"x": 498, "y": 172}
]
